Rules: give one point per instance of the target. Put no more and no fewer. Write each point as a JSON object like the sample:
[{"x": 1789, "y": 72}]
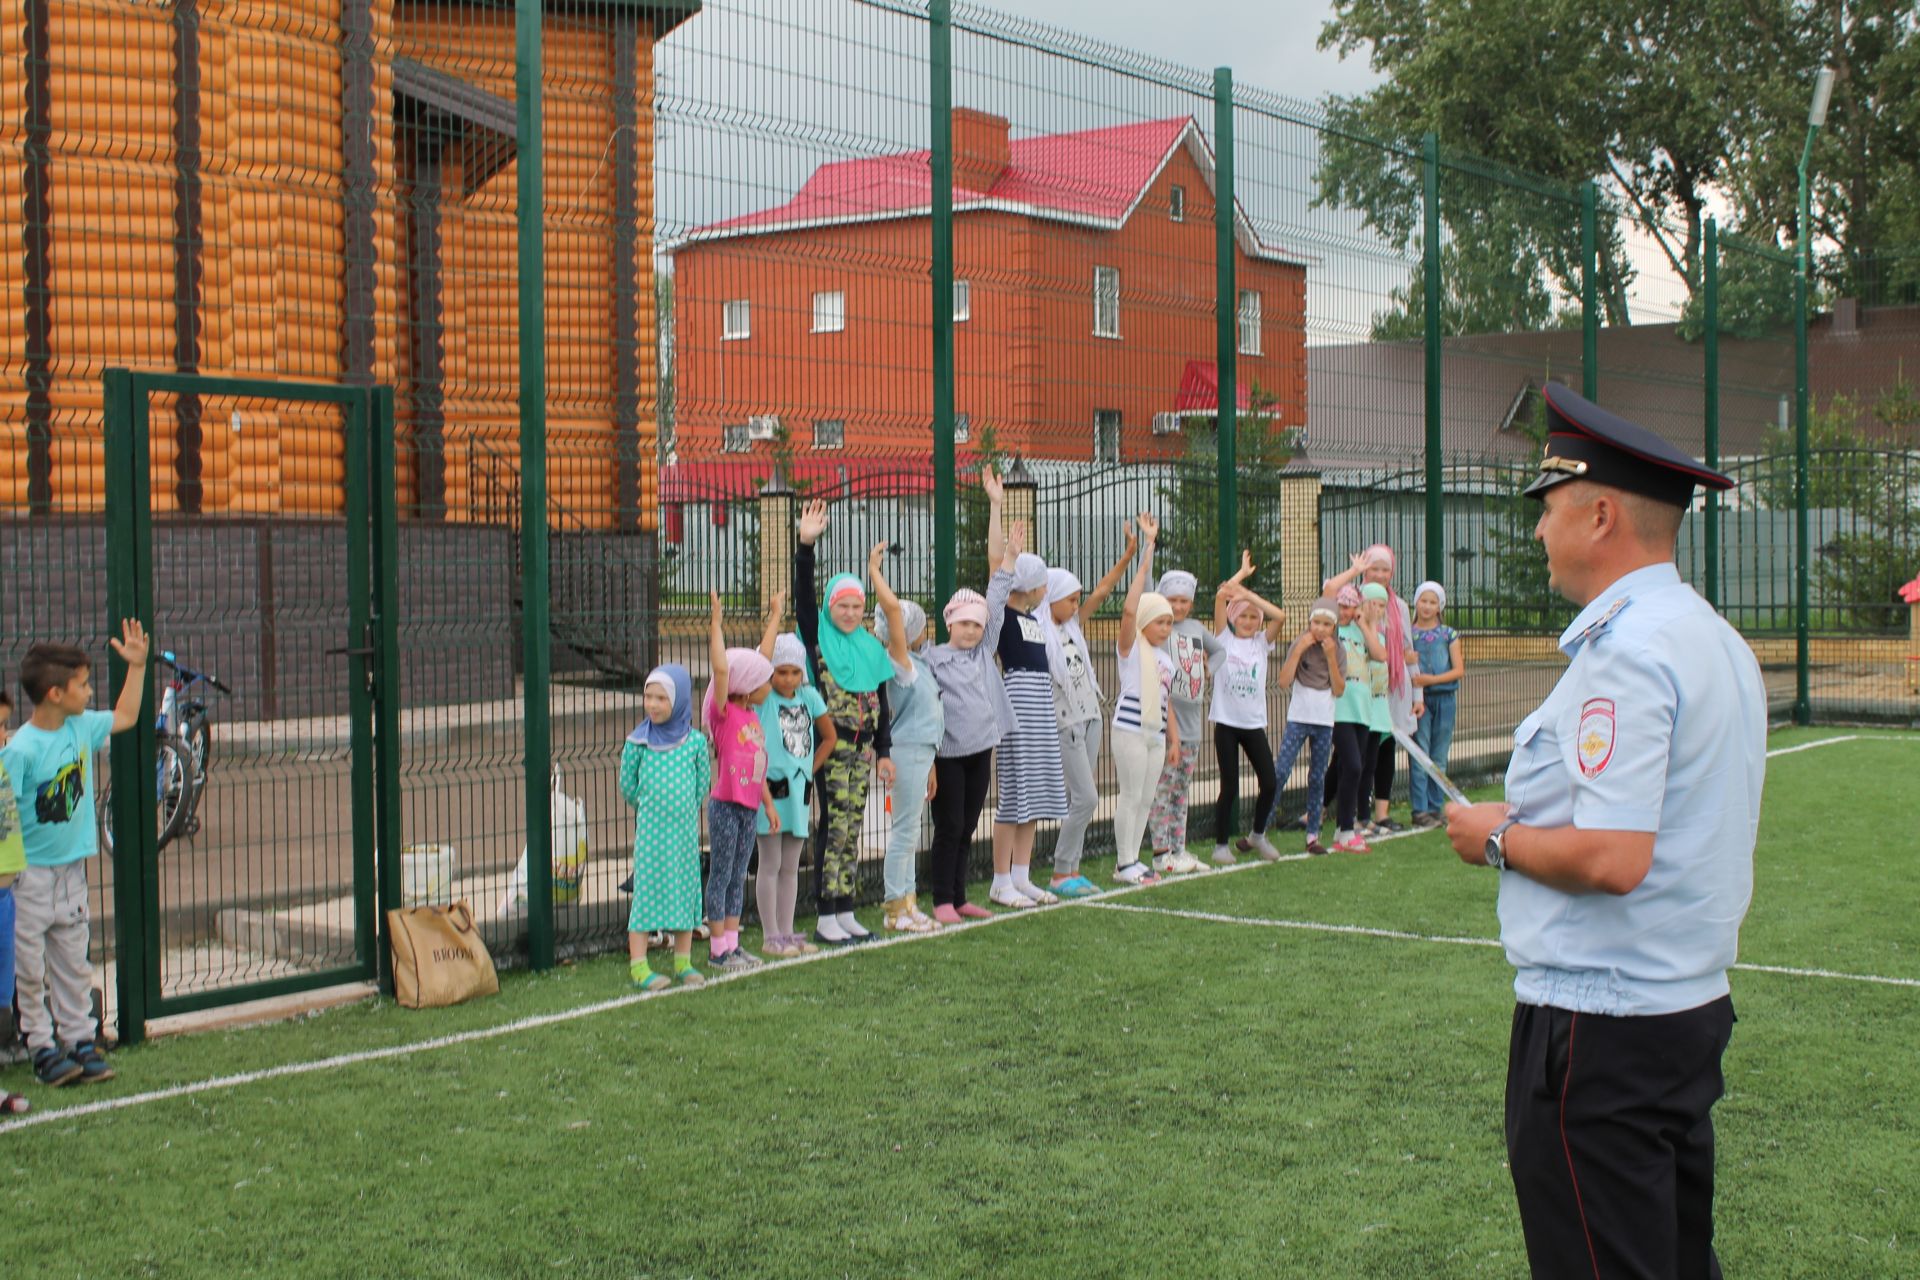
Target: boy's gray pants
[{"x": 50, "y": 932}]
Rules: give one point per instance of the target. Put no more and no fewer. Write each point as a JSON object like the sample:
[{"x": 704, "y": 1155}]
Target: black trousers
[
  {"x": 1610, "y": 1140},
  {"x": 960, "y": 793},
  {"x": 1352, "y": 774},
  {"x": 1228, "y": 743},
  {"x": 1383, "y": 748}
]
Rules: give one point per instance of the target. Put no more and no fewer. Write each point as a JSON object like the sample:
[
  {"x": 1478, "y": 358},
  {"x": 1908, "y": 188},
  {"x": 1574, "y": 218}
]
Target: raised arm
[
  {"x": 1000, "y": 586},
  {"x": 1222, "y": 601},
  {"x": 1091, "y": 601},
  {"x": 889, "y": 607},
  {"x": 1332, "y": 585},
  {"x": 1275, "y": 615},
  {"x": 775, "y": 612},
  {"x": 1290, "y": 668},
  {"x": 1149, "y": 535},
  {"x": 996, "y": 495},
  {"x": 806, "y": 594},
  {"x": 131, "y": 644},
  {"x": 717, "y": 650}
]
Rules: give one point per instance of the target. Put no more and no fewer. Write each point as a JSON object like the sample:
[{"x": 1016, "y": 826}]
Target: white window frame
[
  {"x": 1248, "y": 318},
  {"x": 734, "y": 438},
  {"x": 962, "y": 301},
  {"x": 840, "y": 424},
  {"x": 1106, "y": 302},
  {"x": 1177, "y": 203},
  {"x": 736, "y": 326},
  {"x": 1101, "y": 418},
  {"x": 830, "y": 311}
]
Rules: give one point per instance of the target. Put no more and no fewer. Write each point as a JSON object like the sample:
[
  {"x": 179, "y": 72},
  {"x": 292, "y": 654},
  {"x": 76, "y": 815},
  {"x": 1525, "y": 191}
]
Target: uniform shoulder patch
[{"x": 1596, "y": 735}]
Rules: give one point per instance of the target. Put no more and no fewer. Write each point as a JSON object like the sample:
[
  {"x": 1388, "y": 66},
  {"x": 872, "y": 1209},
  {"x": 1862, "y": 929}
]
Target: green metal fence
[{"x": 641, "y": 275}]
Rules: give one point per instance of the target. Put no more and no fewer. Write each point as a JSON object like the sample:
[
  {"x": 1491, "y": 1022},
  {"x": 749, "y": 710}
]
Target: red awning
[{"x": 1200, "y": 389}]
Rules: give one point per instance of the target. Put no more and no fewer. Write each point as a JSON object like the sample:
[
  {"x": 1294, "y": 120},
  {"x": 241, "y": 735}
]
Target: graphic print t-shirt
[
  {"x": 13, "y": 850},
  {"x": 52, "y": 773},
  {"x": 740, "y": 750}
]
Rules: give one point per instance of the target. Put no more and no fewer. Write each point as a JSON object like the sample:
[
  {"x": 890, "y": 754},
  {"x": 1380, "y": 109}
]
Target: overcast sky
[{"x": 1268, "y": 43}]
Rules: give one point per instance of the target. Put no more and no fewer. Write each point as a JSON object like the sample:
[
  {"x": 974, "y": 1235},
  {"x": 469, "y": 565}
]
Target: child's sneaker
[
  {"x": 1314, "y": 847},
  {"x": 1135, "y": 873},
  {"x": 734, "y": 961},
  {"x": 93, "y": 1063},
  {"x": 15, "y": 1104},
  {"x": 1163, "y": 864},
  {"x": 1185, "y": 864},
  {"x": 54, "y": 1067},
  {"x": 1426, "y": 821},
  {"x": 1264, "y": 847},
  {"x": 973, "y": 911},
  {"x": 1355, "y": 843},
  {"x": 1223, "y": 856}
]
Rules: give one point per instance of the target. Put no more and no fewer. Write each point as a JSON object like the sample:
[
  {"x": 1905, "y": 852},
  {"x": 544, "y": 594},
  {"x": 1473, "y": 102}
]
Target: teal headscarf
[{"x": 857, "y": 661}]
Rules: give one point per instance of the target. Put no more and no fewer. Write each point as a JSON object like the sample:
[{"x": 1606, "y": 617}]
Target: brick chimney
[{"x": 980, "y": 152}]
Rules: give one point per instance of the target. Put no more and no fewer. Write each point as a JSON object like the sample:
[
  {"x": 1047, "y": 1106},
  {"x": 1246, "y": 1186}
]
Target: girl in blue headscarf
[{"x": 665, "y": 773}]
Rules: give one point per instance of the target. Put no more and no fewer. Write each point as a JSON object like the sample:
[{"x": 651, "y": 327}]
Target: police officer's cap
[{"x": 1585, "y": 442}]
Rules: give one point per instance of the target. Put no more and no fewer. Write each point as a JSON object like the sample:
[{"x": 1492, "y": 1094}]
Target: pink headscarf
[
  {"x": 1349, "y": 597},
  {"x": 1238, "y": 609},
  {"x": 1394, "y": 630},
  {"x": 746, "y": 671}
]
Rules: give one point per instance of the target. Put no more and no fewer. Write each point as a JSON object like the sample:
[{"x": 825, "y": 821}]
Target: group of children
[{"x": 830, "y": 707}]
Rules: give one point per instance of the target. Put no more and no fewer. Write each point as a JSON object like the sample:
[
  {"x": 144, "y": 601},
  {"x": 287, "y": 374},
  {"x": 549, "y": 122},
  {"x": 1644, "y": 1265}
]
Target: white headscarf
[
  {"x": 790, "y": 651},
  {"x": 1060, "y": 584},
  {"x": 1178, "y": 584},
  {"x": 1439, "y": 592},
  {"x": 1029, "y": 572},
  {"x": 912, "y": 617},
  {"x": 1153, "y": 606}
]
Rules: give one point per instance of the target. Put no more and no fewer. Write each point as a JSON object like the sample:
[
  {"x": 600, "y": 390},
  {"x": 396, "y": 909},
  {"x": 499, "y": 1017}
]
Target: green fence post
[
  {"x": 1590, "y": 291},
  {"x": 1710, "y": 286},
  {"x": 1802, "y": 517},
  {"x": 1226, "y": 325},
  {"x": 1431, "y": 276},
  {"x": 124, "y": 592},
  {"x": 386, "y": 705},
  {"x": 536, "y": 641},
  {"x": 940, "y": 97}
]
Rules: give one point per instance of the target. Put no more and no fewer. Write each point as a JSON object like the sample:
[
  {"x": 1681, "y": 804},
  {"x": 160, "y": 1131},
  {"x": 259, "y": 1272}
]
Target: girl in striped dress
[{"x": 1031, "y": 777}]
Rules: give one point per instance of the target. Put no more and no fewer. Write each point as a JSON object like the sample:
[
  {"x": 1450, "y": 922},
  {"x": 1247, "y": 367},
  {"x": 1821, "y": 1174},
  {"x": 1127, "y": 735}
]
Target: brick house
[{"x": 1084, "y": 302}]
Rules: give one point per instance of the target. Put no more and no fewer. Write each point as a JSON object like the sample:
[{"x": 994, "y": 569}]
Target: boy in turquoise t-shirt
[{"x": 50, "y": 761}]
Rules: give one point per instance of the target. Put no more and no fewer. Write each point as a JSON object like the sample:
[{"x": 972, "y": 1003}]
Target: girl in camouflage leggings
[{"x": 851, "y": 670}]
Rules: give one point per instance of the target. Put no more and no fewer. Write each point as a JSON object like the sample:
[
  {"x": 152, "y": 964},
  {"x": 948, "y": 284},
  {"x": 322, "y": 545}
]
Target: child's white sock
[
  {"x": 1023, "y": 879},
  {"x": 829, "y": 929},
  {"x": 850, "y": 926},
  {"x": 1001, "y": 880}
]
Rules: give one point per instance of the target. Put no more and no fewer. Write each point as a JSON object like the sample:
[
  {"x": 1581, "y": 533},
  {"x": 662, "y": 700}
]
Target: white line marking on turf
[
  {"x": 1848, "y": 737},
  {"x": 1400, "y": 935},
  {"x": 570, "y": 1015}
]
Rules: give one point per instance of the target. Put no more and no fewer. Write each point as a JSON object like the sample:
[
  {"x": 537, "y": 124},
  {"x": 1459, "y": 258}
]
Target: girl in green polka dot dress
[{"x": 665, "y": 773}]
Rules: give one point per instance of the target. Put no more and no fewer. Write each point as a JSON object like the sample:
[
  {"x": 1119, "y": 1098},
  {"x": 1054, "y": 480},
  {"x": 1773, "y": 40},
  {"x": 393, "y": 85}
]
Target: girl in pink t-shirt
[{"x": 741, "y": 682}]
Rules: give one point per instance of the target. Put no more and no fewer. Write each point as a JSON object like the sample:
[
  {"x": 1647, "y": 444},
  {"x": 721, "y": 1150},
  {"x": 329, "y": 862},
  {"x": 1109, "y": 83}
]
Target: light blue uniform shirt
[
  {"x": 919, "y": 720},
  {"x": 1659, "y": 724}
]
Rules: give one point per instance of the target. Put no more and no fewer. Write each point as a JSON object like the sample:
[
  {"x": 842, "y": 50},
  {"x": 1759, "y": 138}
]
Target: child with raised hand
[
  {"x": 1076, "y": 700},
  {"x": 1353, "y": 718},
  {"x": 741, "y": 683},
  {"x": 665, "y": 772},
  {"x": 919, "y": 723},
  {"x": 51, "y": 763},
  {"x": 1249, "y": 628},
  {"x": 1146, "y": 733},
  {"x": 1442, "y": 663},
  {"x": 1194, "y": 648},
  {"x": 977, "y": 716},
  {"x": 1031, "y": 777},
  {"x": 800, "y": 736},
  {"x": 851, "y": 669},
  {"x": 1315, "y": 670}
]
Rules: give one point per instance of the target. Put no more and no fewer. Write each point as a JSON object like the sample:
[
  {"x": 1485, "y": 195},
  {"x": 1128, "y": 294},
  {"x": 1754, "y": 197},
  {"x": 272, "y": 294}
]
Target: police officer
[{"x": 1625, "y": 855}]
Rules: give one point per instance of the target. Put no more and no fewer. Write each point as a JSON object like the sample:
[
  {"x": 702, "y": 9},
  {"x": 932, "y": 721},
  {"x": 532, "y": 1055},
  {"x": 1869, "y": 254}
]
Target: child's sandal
[{"x": 15, "y": 1105}]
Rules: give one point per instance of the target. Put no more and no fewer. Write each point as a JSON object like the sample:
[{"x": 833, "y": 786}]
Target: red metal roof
[
  {"x": 1200, "y": 389},
  {"x": 1096, "y": 173}
]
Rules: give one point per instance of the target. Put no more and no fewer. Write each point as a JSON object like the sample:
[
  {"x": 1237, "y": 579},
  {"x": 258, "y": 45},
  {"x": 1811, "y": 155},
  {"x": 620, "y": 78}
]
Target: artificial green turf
[{"x": 1083, "y": 1093}]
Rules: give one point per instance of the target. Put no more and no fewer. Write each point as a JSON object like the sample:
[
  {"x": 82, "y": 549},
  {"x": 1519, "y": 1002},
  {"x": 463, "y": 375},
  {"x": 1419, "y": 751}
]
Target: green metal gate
[{"x": 275, "y": 885}]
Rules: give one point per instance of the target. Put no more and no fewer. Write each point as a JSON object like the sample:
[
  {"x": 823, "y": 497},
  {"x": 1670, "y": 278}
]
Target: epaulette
[{"x": 1600, "y": 623}]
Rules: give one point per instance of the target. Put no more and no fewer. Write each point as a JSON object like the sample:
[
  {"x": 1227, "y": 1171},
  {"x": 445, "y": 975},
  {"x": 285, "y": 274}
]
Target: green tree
[
  {"x": 970, "y": 522},
  {"x": 1190, "y": 520}
]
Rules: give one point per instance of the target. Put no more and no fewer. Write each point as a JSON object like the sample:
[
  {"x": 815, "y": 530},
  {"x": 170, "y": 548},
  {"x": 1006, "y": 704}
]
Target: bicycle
[
  {"x": 175, "y": 789},
  {"x": 189, "y": 716}
]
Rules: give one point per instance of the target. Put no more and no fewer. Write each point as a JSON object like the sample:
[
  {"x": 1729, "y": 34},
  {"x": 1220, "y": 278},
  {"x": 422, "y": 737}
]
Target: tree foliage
[{"x": 1190, "y": 520}]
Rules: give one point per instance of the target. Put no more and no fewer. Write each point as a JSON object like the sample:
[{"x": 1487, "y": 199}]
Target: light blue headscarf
[{"x": 675, "y": 679}]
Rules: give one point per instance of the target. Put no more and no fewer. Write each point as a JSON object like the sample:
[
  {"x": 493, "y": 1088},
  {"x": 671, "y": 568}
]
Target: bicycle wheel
[
  {"x": 175, "y": 792},
  {"x": 199, "y": 740}
]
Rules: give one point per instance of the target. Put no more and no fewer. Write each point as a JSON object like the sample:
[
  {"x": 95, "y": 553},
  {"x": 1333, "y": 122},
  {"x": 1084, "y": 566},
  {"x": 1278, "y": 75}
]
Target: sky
[{"x": 1268, "y": 43}]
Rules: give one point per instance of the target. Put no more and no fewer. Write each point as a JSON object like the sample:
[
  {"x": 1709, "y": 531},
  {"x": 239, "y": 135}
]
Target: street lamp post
[{"x": 1802, "y": 493}]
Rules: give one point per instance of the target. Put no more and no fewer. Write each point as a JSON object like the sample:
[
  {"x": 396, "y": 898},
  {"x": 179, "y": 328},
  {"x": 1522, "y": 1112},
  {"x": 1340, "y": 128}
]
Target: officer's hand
[{"x": 1469, "y": 825}]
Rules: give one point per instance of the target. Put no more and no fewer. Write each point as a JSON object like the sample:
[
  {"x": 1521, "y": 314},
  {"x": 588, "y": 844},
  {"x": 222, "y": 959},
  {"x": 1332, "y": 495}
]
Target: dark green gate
[{"x": 273, "y": 885}]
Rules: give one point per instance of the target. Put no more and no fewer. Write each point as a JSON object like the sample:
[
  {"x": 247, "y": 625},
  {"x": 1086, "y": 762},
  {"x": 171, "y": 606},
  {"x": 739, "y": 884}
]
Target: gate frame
[{"x": 373, "y": 695}]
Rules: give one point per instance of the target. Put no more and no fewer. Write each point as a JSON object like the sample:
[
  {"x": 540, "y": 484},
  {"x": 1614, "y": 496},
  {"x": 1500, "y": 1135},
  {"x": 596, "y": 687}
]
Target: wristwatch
[{"x": 1497, "y": 845}]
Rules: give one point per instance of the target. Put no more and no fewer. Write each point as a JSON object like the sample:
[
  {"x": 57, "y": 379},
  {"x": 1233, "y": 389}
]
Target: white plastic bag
[
  {"x": 426, "y": 875},
  {"x": 569, "y": 818}
]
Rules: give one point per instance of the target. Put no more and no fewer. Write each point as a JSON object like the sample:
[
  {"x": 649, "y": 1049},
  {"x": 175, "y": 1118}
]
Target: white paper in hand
[{"x": 1425, "y": 764}]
